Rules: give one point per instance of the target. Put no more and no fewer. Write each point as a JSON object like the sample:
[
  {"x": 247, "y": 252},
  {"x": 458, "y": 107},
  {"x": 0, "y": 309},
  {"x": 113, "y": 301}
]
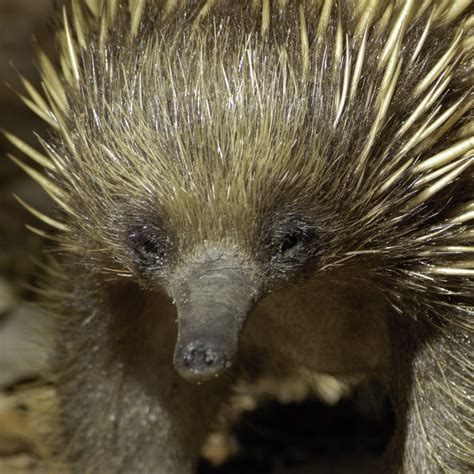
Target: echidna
[{"x": 258, "y": 188}]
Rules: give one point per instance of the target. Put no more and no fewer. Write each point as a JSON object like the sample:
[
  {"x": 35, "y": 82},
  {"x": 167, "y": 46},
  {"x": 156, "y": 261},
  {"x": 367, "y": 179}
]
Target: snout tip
[{"x": 199, "y": 361}]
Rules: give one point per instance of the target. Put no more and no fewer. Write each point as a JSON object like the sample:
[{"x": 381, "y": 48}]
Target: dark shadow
[{"x": 300, "y": 434}]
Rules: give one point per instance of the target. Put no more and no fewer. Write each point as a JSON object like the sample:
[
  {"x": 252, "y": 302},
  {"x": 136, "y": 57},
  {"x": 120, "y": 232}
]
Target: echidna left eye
[{"x": 146, "y": 244}]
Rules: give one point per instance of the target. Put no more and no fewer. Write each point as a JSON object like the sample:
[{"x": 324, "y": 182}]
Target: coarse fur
[{"x": 318, "y": 151}]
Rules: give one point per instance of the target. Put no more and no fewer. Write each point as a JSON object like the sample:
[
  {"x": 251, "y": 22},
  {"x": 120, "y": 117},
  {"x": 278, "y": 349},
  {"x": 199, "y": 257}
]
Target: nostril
[
  {"x": 201, "y": 360},
  {"x": 211, "y": 357},
  {"x": 187, "y": 358},
  {"x": 200, "y": 354}
]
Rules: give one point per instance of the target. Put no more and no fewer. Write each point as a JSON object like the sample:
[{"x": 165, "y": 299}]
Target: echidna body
[{"x": 291, "y": 183}]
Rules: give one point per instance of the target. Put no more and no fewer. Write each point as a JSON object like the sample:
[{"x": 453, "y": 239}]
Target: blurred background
[{"x": 24, "y": 331}]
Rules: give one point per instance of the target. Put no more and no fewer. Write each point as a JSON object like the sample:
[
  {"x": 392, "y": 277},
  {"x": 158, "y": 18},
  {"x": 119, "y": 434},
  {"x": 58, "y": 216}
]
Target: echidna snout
[
  {"x": 213, "y": 296},
  {"x": 201, "y": 360}
]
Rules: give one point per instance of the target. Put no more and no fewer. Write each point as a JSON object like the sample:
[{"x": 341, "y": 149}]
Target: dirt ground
[{"x": 275, "y": 440}]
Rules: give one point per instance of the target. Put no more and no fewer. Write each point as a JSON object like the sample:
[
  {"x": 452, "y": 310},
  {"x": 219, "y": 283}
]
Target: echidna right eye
[
  {"x": 293, "y": 241},
  {"x": 146, "y": 245},
  {"x": 289, "y": 242}
]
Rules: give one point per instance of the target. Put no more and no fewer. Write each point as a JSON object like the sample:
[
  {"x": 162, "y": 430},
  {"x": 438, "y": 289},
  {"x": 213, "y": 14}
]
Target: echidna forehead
[
  {"x": 206, "y": 126},
  {"x": 214, "y": 114},
  {"x": 178, "y": 119}
]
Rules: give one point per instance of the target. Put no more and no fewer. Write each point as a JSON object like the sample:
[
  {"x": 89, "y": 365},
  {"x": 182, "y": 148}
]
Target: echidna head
[
  {"x": 219, "y": 163},
  {"x": 203, "y": 176}
]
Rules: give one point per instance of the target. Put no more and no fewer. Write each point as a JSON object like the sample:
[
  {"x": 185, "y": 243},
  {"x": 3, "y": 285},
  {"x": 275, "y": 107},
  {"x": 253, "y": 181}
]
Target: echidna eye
[
  {"x": 146, "y": 245},
  {"x": 289, "y": 242},
  {"x": 292, "y": 242}
]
